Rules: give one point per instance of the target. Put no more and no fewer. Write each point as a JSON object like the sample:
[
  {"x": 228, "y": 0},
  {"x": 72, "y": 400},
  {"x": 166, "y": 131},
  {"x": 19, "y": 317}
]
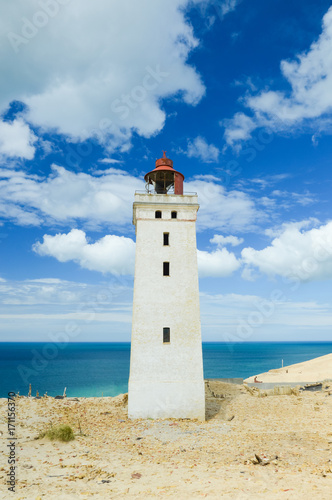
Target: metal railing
[{"x": 167, "y": 194}]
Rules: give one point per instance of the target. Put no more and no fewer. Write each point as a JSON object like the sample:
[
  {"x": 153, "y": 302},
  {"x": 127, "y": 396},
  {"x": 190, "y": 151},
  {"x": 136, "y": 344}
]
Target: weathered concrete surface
[{"x": 166, "y": 380}]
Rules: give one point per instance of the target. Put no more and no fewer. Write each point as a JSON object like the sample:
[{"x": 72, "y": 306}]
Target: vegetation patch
[{"x": 59, "y": 433}]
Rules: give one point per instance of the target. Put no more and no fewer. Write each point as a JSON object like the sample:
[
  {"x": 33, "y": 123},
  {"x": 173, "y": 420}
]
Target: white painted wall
[{"x": 166, "y": 380}]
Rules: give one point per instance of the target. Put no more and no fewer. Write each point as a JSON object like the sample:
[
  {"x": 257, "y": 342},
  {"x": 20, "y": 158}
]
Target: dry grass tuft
[{"x": 60, "y": 433}]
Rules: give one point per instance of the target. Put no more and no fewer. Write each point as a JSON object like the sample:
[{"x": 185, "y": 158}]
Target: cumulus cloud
[
  {"x": 116, "y": 254},
  {"x": 309, "y": 103},
  {"x": 224, "y": 210},
  {"x": 217, "y": 264},
  {"x": 111, "y": 254},
  {"x": 300, "y": 255},
  {"x": 98, "y": 69},
  {"x": 238, "y": 128},
  {"x": 221, "y": 240},
  {"x": 199, "y": 148},
  {"x": 105, "y": 198},
  {"x": 16, "y": 140}
]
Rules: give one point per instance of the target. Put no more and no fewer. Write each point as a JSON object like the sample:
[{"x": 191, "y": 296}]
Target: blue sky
[{"x": 237, "y": 92}]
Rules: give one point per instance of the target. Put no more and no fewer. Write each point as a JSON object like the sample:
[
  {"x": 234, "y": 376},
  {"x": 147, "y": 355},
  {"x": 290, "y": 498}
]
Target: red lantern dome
[{"x": 164, "y": 178}]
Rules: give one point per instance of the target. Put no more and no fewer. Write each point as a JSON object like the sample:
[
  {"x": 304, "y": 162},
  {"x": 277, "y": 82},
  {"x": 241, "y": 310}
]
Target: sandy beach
[
  {"x": 315, "y": 370},
  {"x": 276, "y": 447}
]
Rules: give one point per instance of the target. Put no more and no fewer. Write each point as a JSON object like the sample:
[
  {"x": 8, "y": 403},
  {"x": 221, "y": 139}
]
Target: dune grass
[{"x": 59, "y": 433}]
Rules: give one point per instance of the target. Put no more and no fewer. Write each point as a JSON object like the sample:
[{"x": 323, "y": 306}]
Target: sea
[{"x": 102, "y": 369}]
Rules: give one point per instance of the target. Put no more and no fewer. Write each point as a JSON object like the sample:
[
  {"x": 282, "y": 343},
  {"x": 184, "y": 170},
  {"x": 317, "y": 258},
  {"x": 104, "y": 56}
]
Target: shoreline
[
  {"x": 318, "y": 369},
  {"x": 311, "y": 371}
]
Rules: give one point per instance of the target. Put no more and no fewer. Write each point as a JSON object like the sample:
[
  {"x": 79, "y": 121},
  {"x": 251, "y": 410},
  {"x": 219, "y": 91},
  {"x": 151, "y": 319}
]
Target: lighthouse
[{"x": 166, "y": 368}]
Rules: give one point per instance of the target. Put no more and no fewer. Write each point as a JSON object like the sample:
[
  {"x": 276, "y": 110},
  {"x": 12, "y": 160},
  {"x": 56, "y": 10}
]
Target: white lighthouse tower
[{"x": 166, "y": 368}]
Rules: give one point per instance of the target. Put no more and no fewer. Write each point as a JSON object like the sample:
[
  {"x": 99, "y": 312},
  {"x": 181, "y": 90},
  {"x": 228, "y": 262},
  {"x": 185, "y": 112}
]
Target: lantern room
[{"x": 164, "y": 179}]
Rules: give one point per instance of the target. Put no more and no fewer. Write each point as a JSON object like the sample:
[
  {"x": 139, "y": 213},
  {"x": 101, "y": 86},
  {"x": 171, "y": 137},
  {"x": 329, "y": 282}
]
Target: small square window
[
  {"x": 166, "y": 239},
  {"x": 174, "y": 215},
  {"x": 166, "y": 268},
  {"x": 157, "y": 214},
  {"x": 166, "y": 335}
]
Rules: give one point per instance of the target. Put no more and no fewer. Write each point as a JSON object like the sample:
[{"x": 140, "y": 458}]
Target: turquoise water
[{"x": 96, "y": 369}]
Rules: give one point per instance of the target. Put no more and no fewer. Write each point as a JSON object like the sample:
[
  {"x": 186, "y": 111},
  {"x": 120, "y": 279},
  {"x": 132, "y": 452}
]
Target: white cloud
[
  {"x": 41, "y": 291},
  {"x": 17, "y": 140},
  {"x": 221, "y": 240},
  {"x": 116, "y": 255},
  {"x": 243, "y": 318},
  {"x": 98, "y": 68},
  {"x": 217, "y": 264},
  {"x": 222, "y": 7},
  {"x": 224, "y": 210},
  {"x": 111, "y": 254},
  {"x": 229, "y": 5},
  {"x": 47, "y": 147},
  {"x": 70, "y": 295},
  {"x": 268, "y": 180},
  {"x": 268, "y": 203},
  {"x": 309, "y": 103},
  {"x": 274, "y": 232},
  {"x": 248, "y": 274},
  {"x": 110, "y": 170},
  {"x": 277, "y": 198},
  {"x": 49, "y": 309},
  {"x": 109, "y": 160},
  {"x": 86, "y": 316},
  {"x": 199, "y": 148},
  {"x": 105, "y": 198},
  {"x": 238, "y": 128},
  {"x": 303, "y": 199},
  {"x": 66, "y": 196},
  {"x": 298, "y": 255}
]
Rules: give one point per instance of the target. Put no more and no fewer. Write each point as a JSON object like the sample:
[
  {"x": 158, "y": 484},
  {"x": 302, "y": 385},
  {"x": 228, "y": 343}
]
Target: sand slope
[{"x": 315, "y": 370}]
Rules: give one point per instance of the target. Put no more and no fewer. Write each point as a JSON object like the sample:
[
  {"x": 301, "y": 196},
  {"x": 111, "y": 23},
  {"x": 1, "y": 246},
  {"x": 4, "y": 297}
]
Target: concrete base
[{"x": 166, "y": 399}]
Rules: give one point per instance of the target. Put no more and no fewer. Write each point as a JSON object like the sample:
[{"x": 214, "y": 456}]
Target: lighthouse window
[
  {"x": 166, "y": 269},
  {"x": 157, "y": 214},
  {"x": 174, "y": 215},
  {"x": 166, "y": 335},
  {"x": 166, "y": 239}
]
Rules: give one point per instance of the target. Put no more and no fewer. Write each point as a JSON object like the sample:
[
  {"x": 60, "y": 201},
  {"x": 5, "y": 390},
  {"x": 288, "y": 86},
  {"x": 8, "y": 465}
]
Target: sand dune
[
  {"x": 113, "y": 457},
  {"x": 315, "y": 370}
]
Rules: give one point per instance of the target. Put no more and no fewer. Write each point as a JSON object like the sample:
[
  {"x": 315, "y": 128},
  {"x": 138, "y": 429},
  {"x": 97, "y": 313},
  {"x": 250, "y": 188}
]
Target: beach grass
[{"x": 59, "y": 433}]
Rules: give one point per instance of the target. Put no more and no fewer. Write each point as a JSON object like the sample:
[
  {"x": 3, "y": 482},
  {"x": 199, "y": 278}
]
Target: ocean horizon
[{"x": 95, "y": 369}]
